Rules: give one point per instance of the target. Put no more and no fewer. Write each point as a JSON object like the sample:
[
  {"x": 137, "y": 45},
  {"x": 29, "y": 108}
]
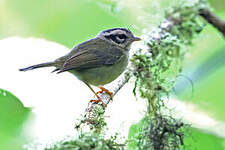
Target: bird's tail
[{"x": 48, "y": 64}]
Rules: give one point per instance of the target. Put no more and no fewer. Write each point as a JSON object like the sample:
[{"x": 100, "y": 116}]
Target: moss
[
  {"x": 157, "y": 133},
  {"x": 157, "y": 69},
  {"x": 88, "y": 141},
  {"x": 94, "y": 119}
]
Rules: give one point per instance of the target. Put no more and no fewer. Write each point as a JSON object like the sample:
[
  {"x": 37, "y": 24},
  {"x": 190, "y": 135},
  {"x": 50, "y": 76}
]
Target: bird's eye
[{"x": 121, "y": 36}]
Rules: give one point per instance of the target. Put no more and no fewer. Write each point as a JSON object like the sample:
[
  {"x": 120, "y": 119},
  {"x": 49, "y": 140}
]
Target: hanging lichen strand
[{"x": 156, "y": 69}]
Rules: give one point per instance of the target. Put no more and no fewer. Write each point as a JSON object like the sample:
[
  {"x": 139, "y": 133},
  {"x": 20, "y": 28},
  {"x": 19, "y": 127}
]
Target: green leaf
[{"x": 12, "y": 117}]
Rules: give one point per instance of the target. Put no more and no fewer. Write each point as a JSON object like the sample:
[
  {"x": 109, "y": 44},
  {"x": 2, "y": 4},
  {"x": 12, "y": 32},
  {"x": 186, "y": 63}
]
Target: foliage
[{"x": 12, "y": 119}]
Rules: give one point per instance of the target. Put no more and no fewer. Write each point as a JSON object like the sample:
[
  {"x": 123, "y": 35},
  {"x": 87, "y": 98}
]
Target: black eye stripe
[{"x": 119, "y": 38}]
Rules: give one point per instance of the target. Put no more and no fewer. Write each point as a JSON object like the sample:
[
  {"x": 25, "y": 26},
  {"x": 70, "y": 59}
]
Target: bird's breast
[{"x": 102, "y": 75}]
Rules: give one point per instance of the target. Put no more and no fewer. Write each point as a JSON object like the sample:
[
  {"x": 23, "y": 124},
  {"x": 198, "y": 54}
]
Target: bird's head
[{"x": 120, "y": 36}]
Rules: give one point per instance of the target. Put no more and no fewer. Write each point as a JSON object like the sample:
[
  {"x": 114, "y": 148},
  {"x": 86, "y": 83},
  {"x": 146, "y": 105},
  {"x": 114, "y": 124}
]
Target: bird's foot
[
  {"x": 106, "y": 91},
  {"x": 98, "y": 100}
]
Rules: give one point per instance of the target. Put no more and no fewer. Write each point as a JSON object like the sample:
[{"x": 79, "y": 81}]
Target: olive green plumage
[{"x": 97, "y": 61}]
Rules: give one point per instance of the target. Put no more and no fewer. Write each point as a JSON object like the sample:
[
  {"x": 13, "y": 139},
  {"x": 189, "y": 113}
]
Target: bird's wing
[{"x": 92, "y": 58}]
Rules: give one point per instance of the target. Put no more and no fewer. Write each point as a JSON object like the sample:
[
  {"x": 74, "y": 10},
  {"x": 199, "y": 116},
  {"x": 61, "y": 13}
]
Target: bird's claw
[
  {"x": 98, "y": 100},
  {"x": 106, "y": 91}
]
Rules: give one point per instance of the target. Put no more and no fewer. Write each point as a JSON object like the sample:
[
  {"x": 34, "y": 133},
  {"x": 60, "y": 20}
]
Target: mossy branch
[{"x": 155, "y": 69}]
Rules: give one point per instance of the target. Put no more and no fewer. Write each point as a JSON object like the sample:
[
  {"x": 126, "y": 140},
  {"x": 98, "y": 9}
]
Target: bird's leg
[
  {"x": 106, "y": 91},
  {"x": 98, "y": 98}
]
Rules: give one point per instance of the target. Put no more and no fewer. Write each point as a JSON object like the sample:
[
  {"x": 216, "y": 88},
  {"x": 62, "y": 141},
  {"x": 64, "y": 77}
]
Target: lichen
[
  {"x": 157, "y": 133},
  {"x": 89, "y": 141},
  {"x": 156, "y": 70},
  {"x": 95, "y": 119}
]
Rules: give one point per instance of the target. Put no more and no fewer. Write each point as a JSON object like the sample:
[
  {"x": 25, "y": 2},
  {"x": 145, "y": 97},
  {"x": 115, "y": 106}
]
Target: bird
[{"x": 97, "y": 61}]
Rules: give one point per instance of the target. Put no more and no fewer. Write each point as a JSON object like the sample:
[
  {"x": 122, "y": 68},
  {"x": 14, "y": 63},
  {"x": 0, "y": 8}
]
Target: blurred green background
[{"x": 72, "y": 21}]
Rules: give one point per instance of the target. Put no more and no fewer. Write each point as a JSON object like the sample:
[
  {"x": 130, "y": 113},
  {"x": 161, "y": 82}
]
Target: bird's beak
[{"x": 136, "y": 39}]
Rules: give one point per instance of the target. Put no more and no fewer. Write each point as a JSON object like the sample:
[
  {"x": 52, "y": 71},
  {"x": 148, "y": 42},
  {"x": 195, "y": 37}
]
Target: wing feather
[{"x": 92, "y": 58}]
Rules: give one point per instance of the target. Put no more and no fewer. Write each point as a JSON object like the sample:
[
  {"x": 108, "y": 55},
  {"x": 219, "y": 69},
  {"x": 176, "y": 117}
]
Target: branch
[{"x": 211, "y": 18}]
